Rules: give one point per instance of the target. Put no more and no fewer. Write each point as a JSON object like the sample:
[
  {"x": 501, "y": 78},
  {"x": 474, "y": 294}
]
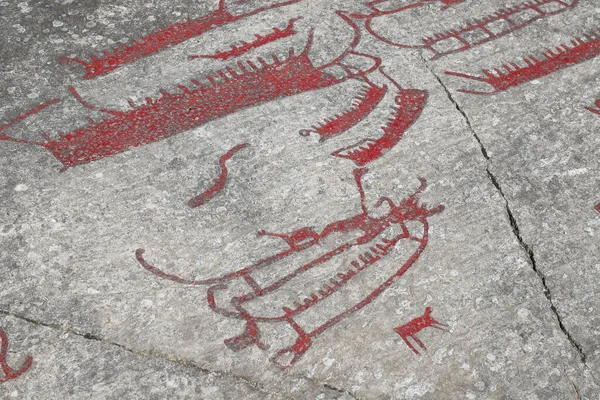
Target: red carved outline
[
  {"x": 10, "y": 373},
  {"x": 596, "y": 108},
  {"x": 409, "y": 104},
  {"x": 161, "y": 39},
  {"x": 299, "y": 240},
  {"x": 364, "y": 103},
  {"x": 220, "y": 182},
  {"x": 242, "y": 49},
  {"x": 228, "y": 91},
  {"x": 480, "y": 24},
  {"x": 510, "y": 75},
  {"x": 597, "y": 208},
  {"x": 410, "y": 329}
]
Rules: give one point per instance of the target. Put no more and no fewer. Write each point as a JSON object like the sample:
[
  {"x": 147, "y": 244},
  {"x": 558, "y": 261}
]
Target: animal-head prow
[
  {"x": 21, "y": 117},
  {"x": 411, "y": 209},
  {"x": 298, "y": 239}
]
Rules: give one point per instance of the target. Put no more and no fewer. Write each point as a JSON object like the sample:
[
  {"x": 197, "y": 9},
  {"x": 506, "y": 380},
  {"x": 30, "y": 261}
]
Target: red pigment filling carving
[
  {"x": 369, "y": 228},
  {"x": 362, "y": 106},
  {"x": 173, "y": 113},
  {"x": 480, "y": 31},
  {"x": 237, "y": 51},
  {"x": 10, "y": 373},
  {"x": 229, "y": 91},
  {"x": 510, "y": 75},
  {"x": 408, "y": 108},
  {"x": 160, "y": 40},
  {"x": 410, "y": 329},
  {"x": 484, "y": 25},
  {"x": 181, "y": 31},
  {"x": 597, "y": 207},
  {"x": 220, "y": 182},
  {"x": 596, "y": 108}
]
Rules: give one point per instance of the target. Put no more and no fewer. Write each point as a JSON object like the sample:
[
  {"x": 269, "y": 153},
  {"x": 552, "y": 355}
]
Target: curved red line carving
[
  {"x": 365, "y": 102},
  {"x": 220, "y": 181},
  {"x": 409, "y": 105},
  {"x": 10, "y": 373},
  {"x": 21, "y": 117}
]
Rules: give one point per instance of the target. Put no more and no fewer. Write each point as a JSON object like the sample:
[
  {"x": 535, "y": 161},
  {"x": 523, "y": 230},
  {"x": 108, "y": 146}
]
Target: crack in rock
[
  {"x": 341, "y": 391},
  {"x": 576, "y": 389},
  {"x": 147, "y": 353},
  {"x": 173, "y": 359},
  {"x": 513, "y": 222},
  {"x": 333, "y": 388}
]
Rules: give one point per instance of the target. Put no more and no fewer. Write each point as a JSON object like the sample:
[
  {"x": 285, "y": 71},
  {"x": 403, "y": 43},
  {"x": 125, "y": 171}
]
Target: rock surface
[{"x": 327, "y": 211}]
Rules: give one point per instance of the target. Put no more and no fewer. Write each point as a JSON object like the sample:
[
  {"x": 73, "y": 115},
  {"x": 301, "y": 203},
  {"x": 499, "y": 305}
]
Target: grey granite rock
[{"x": 510, "y": 265}]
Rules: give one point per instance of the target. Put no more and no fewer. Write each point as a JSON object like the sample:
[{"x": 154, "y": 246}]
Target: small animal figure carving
[
  {"x": 7, "y": 371},
  {"x": 410, "y": 329}
]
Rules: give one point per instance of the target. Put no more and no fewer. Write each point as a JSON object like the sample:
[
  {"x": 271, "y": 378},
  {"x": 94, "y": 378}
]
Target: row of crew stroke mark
[{"x": 493, "y": 26}]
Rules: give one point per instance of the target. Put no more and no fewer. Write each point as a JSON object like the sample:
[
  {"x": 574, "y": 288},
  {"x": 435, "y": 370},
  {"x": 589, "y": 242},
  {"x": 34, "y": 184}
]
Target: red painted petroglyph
[
  {"x": 244, "y": 47},
  {"x": 161, "y": 39},
  {"x": 370, "y": 243},
  {"x": 228, "y": 91},
  {"x": 408, "y": 106},
  {"x": 10, "y": 373},
  {"x": 220, "y": 182},
  {"x": 173, "y": 113},
  {"x": 512, "y": 74},
  {"x": 597, "y": 207},
  {"x": 491, "y": 27},
  {"x": 596, "y": 108},
  {"x": 362, "y": 106},
  {"x": 409, "y": 330},
  {"x": 182, "y": 31},
  {"x": 168, "y": 115}
]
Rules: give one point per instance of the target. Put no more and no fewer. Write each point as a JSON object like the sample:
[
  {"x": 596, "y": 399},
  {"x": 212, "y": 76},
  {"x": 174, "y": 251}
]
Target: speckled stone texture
[{"x": 372, "y": 198}]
